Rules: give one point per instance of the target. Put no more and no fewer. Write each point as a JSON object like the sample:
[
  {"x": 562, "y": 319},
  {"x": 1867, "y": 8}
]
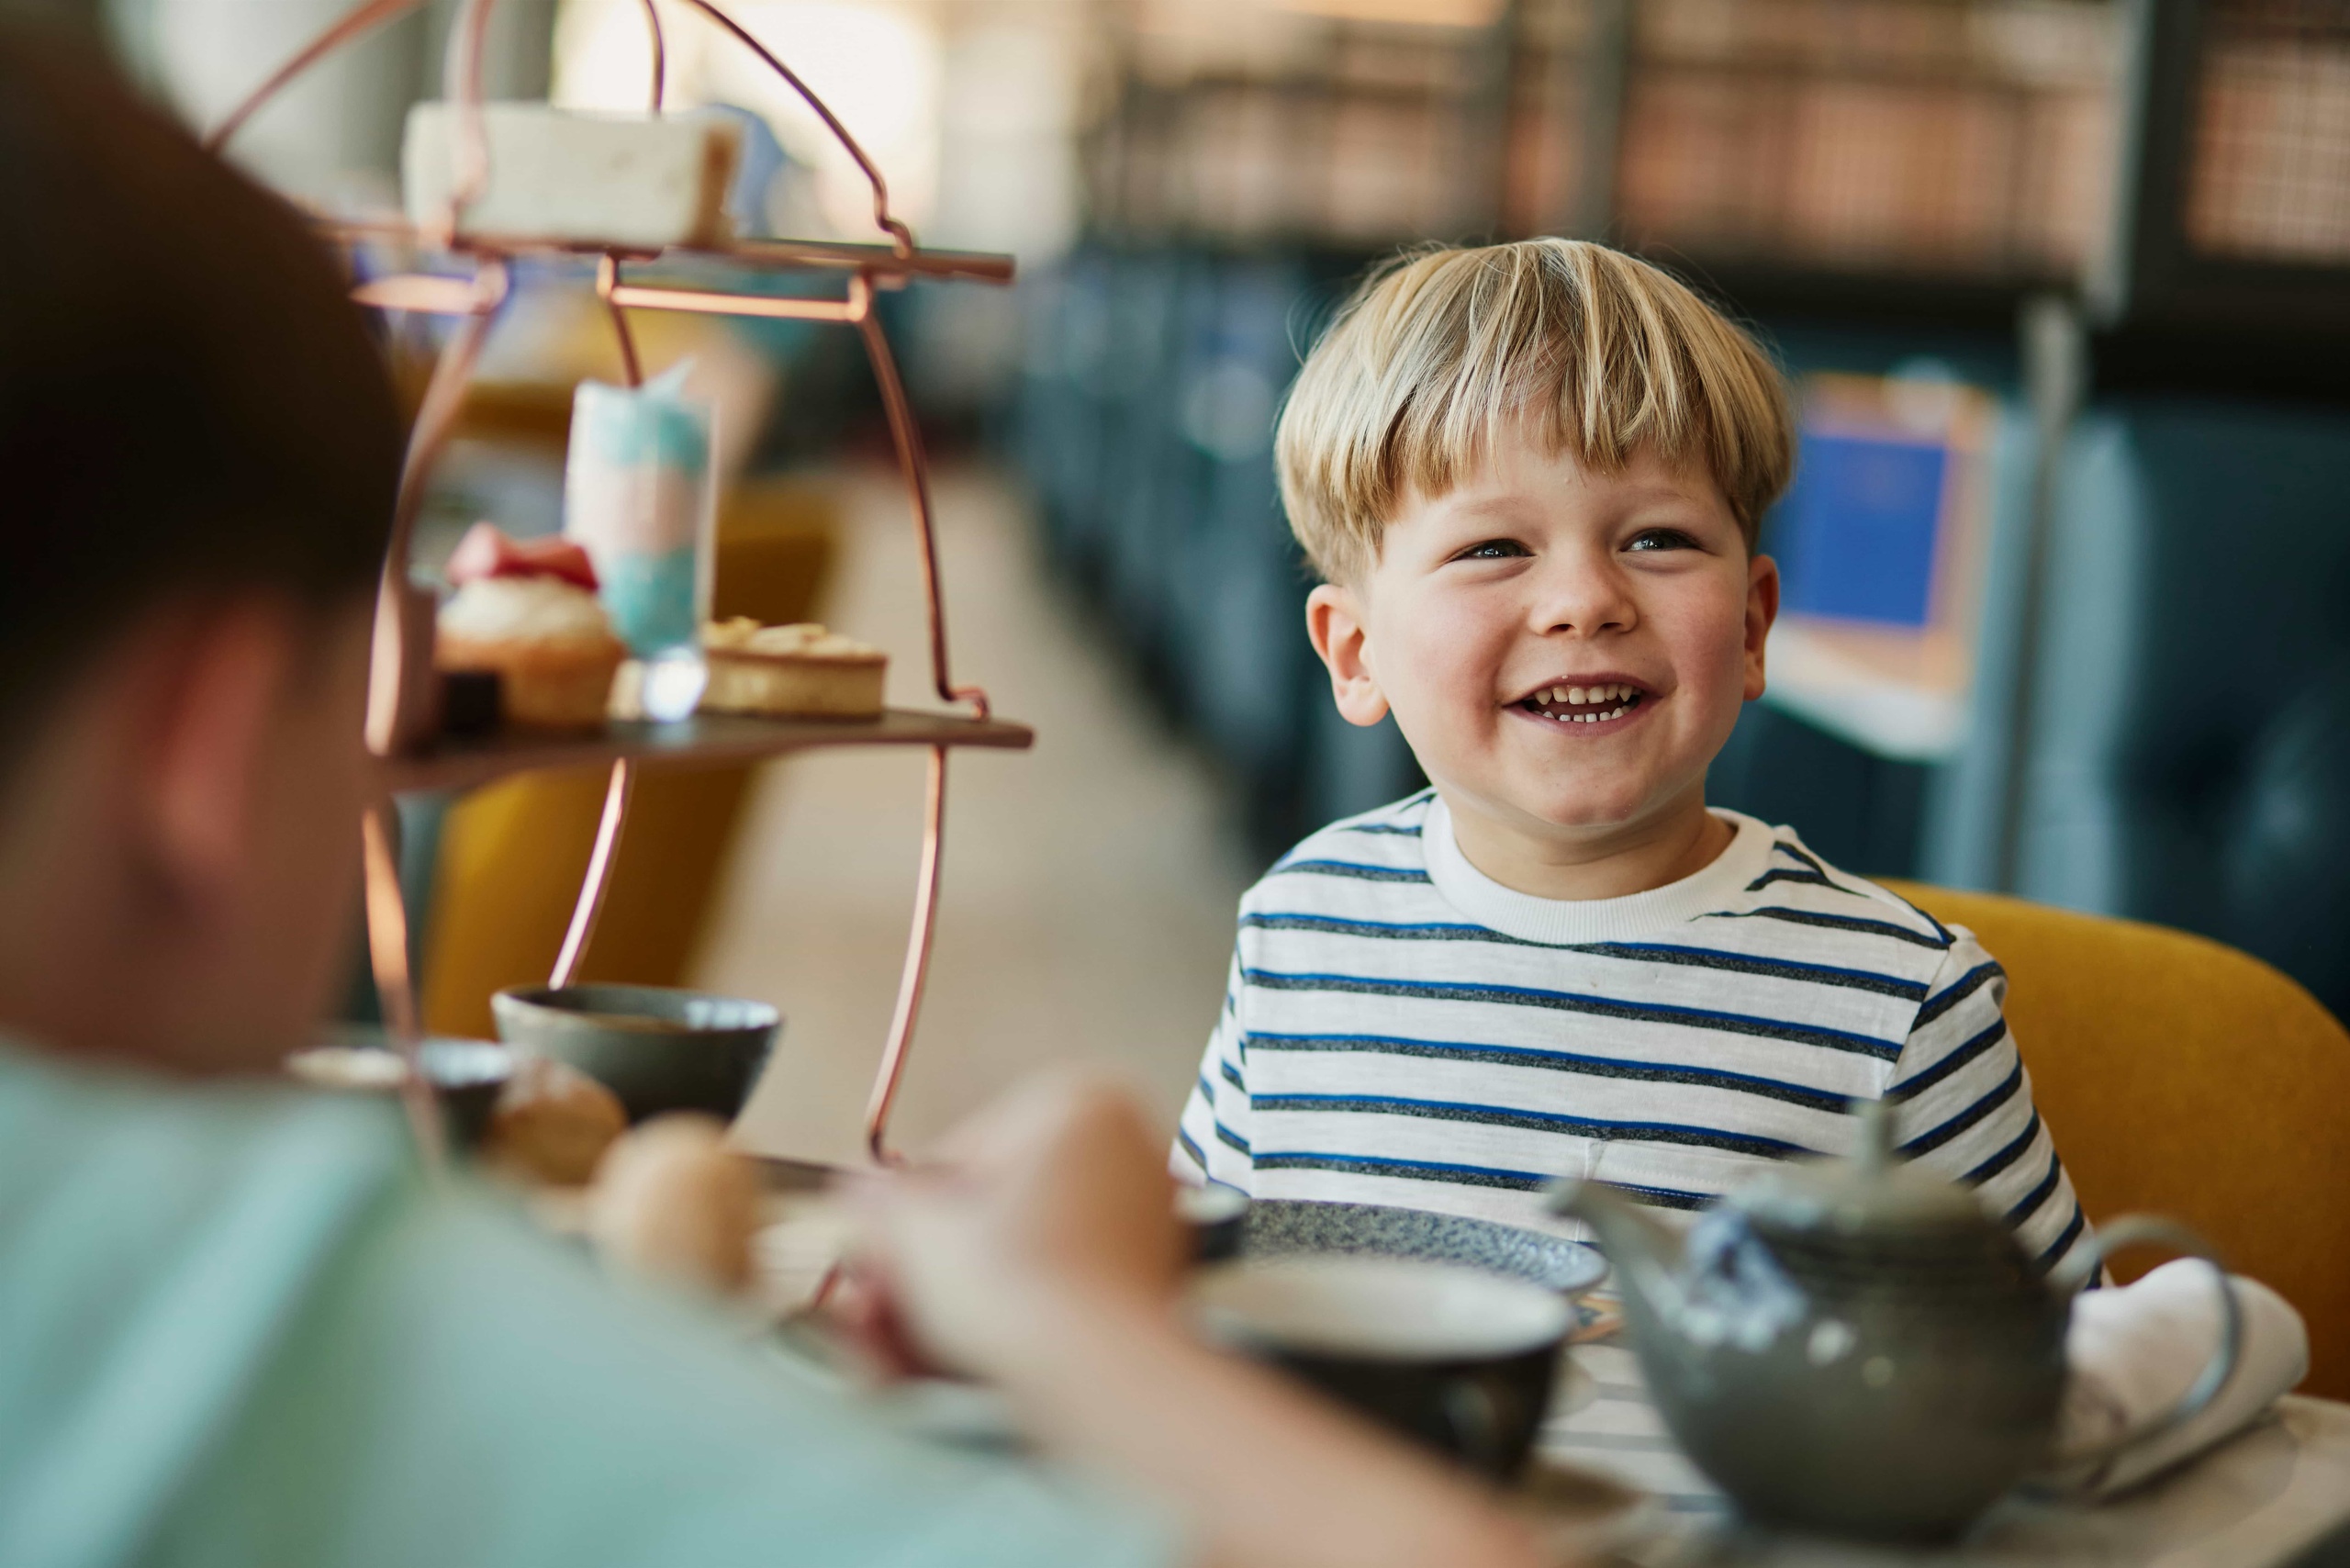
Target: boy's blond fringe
[{"x": 1439, "y": 351}]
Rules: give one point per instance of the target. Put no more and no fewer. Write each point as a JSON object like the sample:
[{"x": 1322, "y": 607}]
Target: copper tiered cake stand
[{"x": 400, "y": 688}]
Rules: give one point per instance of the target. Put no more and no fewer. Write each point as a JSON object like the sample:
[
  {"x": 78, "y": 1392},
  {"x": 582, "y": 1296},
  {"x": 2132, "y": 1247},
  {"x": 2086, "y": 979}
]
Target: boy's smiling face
[{"x": 1565, "y": 650}]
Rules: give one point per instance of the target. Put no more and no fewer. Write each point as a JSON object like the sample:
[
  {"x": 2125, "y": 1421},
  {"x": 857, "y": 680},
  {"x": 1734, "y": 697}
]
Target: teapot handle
[{"x": 2132, "y": 1230}]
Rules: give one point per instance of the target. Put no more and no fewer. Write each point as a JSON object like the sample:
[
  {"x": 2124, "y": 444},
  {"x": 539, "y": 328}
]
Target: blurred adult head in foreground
[
  {"x": 198, "y": 451},
  {"x": 242, "y": 1327}
]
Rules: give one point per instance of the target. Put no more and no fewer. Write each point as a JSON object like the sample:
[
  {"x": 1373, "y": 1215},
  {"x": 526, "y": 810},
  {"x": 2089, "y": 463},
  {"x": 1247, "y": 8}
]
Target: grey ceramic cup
[
  {"x": 466, "y": 1076},
  {"x": 659, "y": 1049},
  {"x": 1456, "y": 1359}
]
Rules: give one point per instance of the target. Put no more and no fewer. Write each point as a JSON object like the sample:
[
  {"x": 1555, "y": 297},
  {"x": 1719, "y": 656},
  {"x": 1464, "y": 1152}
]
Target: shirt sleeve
[
  {"x": 1212, "y": 1139},
  {"x": 1962, "y": 1102},
  {"x": 463, "y": 1391}
]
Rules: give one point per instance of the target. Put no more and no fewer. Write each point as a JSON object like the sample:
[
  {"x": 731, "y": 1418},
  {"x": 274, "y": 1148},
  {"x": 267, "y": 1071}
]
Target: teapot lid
[{"x": 1873, "y": 1195}]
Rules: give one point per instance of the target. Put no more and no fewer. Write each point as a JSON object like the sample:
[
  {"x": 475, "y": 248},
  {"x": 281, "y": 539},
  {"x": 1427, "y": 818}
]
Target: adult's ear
[
  {"x": 213, "y": 704},
  {"x": 1334, "y": 623},
  {"x": 1761, "y": 613}
]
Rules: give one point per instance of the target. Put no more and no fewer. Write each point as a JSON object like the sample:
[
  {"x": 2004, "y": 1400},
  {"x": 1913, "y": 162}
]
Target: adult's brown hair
[{"x": 189, "y": 403}]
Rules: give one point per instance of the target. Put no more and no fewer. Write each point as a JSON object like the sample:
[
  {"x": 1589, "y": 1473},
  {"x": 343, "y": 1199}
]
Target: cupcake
[{"x": 530, "y": 612}]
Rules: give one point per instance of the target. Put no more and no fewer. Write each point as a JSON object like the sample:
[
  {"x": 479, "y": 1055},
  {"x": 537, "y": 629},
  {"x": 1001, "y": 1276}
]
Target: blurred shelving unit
[
  {"x": 2165, "y": 158},
  {"x": 2269, "y": 142},
  {"x": 1962, "y": 140},
  {"x": 2243, "y": 132},
  {"x": 1352, "y": 125},
  {"x": 2230, "y": 265},
  {"x": 1966, "y": 142}
]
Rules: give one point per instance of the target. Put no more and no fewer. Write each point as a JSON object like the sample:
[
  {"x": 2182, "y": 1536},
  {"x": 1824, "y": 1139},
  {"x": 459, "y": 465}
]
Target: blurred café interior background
[{"x": 2063, "y": 286}]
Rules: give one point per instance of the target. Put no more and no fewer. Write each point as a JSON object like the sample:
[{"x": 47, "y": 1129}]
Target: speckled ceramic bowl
[
  {"x": 1407, "y": 1316},
  {"x": 659, "y": 1049},
  {"x": 1276, "y": 1227}
]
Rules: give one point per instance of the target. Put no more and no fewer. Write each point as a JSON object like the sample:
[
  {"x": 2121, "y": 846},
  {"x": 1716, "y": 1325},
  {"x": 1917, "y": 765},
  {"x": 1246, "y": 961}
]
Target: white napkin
[{"x": 2132, "y": 1351}]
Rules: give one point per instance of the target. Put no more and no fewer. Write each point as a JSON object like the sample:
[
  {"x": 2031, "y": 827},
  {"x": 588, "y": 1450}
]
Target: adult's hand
[
  {"x": 1053, "y": 1199},
  {"x": 1042, "y": 1254}
]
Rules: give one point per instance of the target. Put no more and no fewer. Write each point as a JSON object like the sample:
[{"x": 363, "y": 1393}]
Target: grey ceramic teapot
[{"x": 1858, "y": 1346}]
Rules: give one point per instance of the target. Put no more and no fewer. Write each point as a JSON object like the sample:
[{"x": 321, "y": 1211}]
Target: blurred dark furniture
[
  {"x": 1145, "y": 425},
  {"x": 2189, "y": 761}
]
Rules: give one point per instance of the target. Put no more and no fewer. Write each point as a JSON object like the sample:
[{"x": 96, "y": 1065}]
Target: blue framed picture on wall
[
  {"x": 1879, "y": 542},
  {"x": 1859, "y": 525}
]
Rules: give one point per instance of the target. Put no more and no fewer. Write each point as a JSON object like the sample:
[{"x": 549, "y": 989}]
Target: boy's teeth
[
  {"x": 1620, "y": 699},
  {"x": 1585, "y": 697},
  {"x": 1582, "y": 696}
]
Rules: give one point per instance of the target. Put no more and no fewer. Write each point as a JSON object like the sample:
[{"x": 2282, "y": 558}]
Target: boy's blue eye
[
  {"x": 1660, "y": 539},
  {"x": 1491, "y": 550}
]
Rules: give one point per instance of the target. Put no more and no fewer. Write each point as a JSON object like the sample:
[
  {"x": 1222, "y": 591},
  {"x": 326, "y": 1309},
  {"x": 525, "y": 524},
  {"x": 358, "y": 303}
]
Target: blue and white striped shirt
[{"x": 1399, "y": 1028}]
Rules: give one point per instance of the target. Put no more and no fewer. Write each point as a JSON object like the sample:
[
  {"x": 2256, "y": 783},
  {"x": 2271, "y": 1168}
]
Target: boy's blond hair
[{"x": 1440, "y": 351}]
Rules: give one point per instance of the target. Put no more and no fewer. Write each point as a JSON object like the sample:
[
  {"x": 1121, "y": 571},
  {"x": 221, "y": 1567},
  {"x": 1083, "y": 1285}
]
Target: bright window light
[{"x": 876, "y": 65}]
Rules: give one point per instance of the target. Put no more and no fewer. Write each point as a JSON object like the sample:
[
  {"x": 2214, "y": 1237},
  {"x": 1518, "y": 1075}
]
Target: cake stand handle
[
  {"x": 461, "y": 83},
  {"x": 396, "y": 709},
  {"x": 598, "y": 880},
  {"x": 906, "y": 435},
  {"x": 362, "y": 18},
  {"x": 660, "y": 54},
  {"x": 444, "y": 398},
  {"x": 607, "y": 283},
  {"x": 901, "y": 239},
  {"x": 917, "y": 970},
  {"x": 387, "y": 956}
]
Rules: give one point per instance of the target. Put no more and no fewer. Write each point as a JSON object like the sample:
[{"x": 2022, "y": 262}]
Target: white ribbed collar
[{"x": 1532, "y": 919}]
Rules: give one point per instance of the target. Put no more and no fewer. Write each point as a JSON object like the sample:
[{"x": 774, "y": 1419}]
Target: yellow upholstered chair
[
  {"x": 513, "y": 855},
  {"x": 2185, "y": 1077}
]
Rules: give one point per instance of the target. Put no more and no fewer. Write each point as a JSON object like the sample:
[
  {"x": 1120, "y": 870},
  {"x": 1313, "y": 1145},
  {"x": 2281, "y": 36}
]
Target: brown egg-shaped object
[
  {"x": 673, "y": 1201},
  {"x": 552, "y": 1123}
]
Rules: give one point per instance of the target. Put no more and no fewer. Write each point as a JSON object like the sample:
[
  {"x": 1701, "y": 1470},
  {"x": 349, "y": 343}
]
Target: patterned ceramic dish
[
  {"x": 1275, "y": 1227},
  {"x": 657, "y": 1048}
]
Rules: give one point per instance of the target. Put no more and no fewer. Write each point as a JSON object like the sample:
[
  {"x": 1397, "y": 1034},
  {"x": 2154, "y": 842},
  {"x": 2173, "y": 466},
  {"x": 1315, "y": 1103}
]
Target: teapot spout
[{"x": 1645, "y": 1252}]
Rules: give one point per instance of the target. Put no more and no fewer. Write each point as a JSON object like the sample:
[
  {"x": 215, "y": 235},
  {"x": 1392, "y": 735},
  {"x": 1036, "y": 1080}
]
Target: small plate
[{"x": 1274, "y": 1227}]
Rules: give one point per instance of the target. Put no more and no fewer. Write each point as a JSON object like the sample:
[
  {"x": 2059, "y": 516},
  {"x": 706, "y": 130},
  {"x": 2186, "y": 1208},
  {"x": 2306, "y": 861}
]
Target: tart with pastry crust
[{"x": 799, "y": 671}]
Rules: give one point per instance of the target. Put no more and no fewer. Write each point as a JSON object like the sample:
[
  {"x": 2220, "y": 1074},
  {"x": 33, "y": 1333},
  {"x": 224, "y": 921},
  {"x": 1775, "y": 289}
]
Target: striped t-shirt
[{"x": 1399, "y": 1028}]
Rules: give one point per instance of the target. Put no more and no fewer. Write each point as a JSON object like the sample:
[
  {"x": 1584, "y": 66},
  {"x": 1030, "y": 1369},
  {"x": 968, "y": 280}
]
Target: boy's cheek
[{"x": 1458, "y": 642}]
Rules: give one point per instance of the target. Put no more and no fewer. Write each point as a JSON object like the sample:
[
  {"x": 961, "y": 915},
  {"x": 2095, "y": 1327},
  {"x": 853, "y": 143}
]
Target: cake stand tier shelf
[
  {"x": 704, "y": 740},
  {"x": 887, "y": 263}
]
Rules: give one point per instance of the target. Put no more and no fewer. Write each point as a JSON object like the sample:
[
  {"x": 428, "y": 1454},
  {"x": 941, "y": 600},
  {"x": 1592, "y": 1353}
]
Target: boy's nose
[{"x": 1583, "y": 598}]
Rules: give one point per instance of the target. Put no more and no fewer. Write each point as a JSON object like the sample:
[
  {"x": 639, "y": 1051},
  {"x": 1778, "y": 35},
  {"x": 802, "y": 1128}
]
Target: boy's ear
[
  {"x": 1334, "y": 623},
  {"x": 1762, "y": 611},
  {"x": 213, "y": 708}
]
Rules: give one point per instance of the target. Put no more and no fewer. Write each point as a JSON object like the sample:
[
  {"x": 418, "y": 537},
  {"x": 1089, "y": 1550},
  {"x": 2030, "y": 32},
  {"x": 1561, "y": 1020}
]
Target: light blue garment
[{"x": 238, "y": 1328}]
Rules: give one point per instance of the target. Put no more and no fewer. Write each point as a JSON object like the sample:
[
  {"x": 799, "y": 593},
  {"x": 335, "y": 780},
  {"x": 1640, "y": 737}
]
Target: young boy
[{"x": 1531, "y": 475}]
